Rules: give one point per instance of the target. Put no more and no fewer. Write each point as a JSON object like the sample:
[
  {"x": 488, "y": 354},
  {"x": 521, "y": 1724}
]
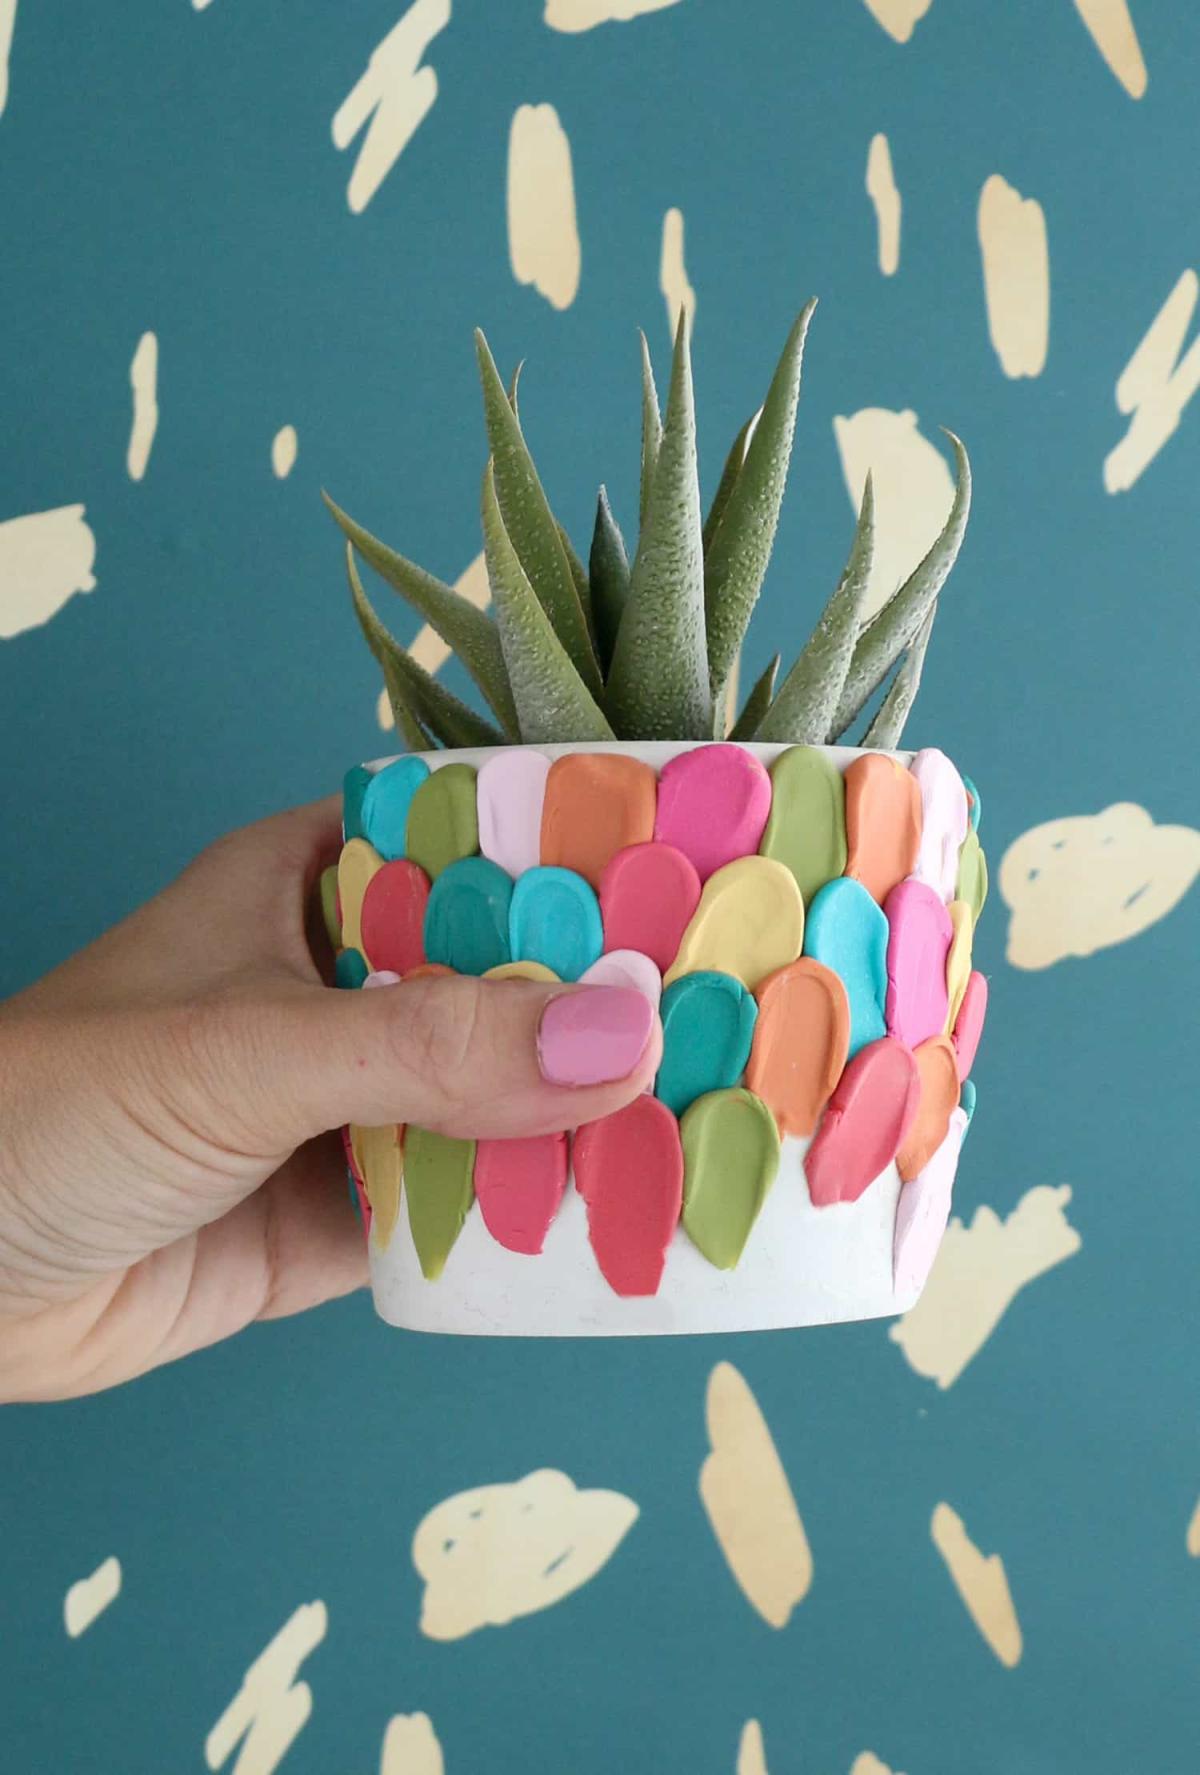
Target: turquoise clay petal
[
  {"x": 555, "y": 919},
  {"x": 708, "y": 1026},
  {"x": 355, "y": 784},
  {"x": 976, "y": 806},
  {"x": 443, "y": 821},
  {"x": 386, "y": 803},
  {"x": 967, "y": 1104},
  {"x": 847, "y": 931},
  {"x": 730, "y": 1161},
  {"x": 806, "y": 828},
  {"x": 466, "y": 920},
  {"x": 349, "y": 970},
  {"x": 439, "y": 1184}
]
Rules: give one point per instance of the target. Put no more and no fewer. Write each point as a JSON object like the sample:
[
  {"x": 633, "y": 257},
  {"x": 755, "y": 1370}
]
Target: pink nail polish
[{"x": 593, "y": 1036}]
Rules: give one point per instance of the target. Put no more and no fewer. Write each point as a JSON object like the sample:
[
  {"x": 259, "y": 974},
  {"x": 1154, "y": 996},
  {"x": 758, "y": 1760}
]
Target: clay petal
[
  {"x": 801, "y": 1043},
  {"x": 519, "y": 1185},
  {"x": 393, "y": 917},
  {"x": 883, "y": 823},
  {"x": 968, "y": 1026},
  {"x": 730, "y": 1160},
  {"x": 648, "y": 894},
  {"x": 919, "y": 937},
  {"x": 945, "y": 816},
  {"x": 866, "y": 1120},
  {"x": 510, "y": 794},
  {"x": 596, "y": 804},
  {"x": 713, "y": 804},
  {"x": 937, "y": 1068},
  {"x": 629, "y": 1171},
  {"x": 923, "y": 1212}
]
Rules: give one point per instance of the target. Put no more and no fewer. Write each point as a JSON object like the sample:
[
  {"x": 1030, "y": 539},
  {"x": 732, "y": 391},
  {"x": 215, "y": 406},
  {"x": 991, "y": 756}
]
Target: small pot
[{"x": 829, "y": 1242}]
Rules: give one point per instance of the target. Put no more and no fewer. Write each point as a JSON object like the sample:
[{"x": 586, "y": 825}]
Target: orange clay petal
[
  {"x": 429, "y": 970},
  {"x": 883, "y": 823},
  {"x": 801, "y": 1040},
  {"x": 596, "y": 804},
  {"x": 937, "y": 1069}
]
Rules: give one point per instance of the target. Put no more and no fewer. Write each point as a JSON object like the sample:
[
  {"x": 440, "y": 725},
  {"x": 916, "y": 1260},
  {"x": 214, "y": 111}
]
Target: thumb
[{"x": 460, "y": 1056}]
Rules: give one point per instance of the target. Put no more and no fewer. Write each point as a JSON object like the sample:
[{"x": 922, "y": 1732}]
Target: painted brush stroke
[
  {"x": 428, "y": 649},
  {"x": 271, "y": 1708},
  {"x": 392, "y": 98},
  {"x": 8, "y": 21},
  {"x": 411, "y": 1747},
  {"x": 1016, "y": 276},
  {"x": 585, "y": 15},
  {"x": 899, "y": 18},
  {"x": 88, "y": 1599},
  {"x": 1112, "y": 29},
  {"x": 913, "y": 486},
  {"x": 143, "y": 379},
  {"x": 978, "y": 1273},
  {"x": 672, "y": 272},
  {"x": 45, "y": 558},
  {"x": 543, "y": 232},
  {"x": 1155, "y": 386},
  {"x": 752, "y": 1755},
  {"x": 885, "y": 196},
  {"x": 982, "y": 1583},
  {"x": 285, "y": 447}
]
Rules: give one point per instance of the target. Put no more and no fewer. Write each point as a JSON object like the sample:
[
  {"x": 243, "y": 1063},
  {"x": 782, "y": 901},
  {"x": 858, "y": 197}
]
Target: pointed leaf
[
  {"x": 733, "y": 467},
  {"x": 756, "y": 705},
  {"x": 513, "y": 387},
  {"x": 384, "y": 646},
  {"x": 553, "y": 703},
  {"x": 530, "y": 523},
  {"x": 887, "y": 729},
  {"x": 808, "y": 699},
  {"x": 471, "y": 633},
  {"x": 887, "y": 635},
  {"x": 582, "y": 586},
  {"x": 609, "y": 569},
  {"x": 651, "y": 428},
  {"x": 658, "y": 686},
  {"x": 738, "y": 554}
]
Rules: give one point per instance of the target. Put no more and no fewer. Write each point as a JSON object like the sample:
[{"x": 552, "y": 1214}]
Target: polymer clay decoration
[{"x": 806, "y": 935}]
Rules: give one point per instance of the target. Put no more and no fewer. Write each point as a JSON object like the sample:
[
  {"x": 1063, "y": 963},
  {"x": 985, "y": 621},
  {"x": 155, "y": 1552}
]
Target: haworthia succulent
[
  {"x": 608, "y": 566},
  {"x": 404, "y": 713},
  {"x": 470, "y": 632},
  {"x": 741, "y": 547},
  {"x": 887, "y": 729},
  {"x": 658, "y": 686},
  {"x": 530, "y": 523},
  {"x": 513, "y": 388},
  {"x": 424, "y": 701},
  {"x": 756, "y": 705},
  {"x": 583, "y": 588},
  {"x": 803, "y": 711},
  {"x": 553, "y": 703},
  {"x": 733, "y": 467},
  {"x": 888, "y": 634},
  {"x": 651, "y": 429}
]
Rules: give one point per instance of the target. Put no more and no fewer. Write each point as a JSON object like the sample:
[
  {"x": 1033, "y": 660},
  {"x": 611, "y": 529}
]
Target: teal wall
[{"x": 172, "y": 170}]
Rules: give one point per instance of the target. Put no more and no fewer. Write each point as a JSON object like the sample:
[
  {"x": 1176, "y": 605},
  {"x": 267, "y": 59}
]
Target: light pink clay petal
[
  {"x": 625, "y": 967},
  {"x": 945, "y": 818},
  {"x": 510, "y": 790},
  {"x": 923, "y": 1212}
]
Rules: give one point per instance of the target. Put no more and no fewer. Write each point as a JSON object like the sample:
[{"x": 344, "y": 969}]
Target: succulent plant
[{"x": 645, "y": 649}]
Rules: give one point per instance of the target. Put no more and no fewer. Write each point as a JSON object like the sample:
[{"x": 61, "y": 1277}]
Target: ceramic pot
[{"x": 813, "y": 923}]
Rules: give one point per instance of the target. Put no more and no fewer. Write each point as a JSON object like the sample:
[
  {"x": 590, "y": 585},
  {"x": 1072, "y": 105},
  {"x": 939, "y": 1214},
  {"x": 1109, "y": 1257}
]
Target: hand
[{"x": 167, "y": 1170}]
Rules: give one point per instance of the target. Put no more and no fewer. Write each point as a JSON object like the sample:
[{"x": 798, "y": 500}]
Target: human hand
[{"x": 167, "y": 1170}]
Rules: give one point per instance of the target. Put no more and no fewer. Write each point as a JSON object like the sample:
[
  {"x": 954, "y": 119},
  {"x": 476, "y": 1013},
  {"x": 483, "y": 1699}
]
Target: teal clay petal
[
  {"x": 443, "y": 824},
  {"x": 708, "y": 1026},
  {"x": 355, "y": 784},
  {"x": 349, "y": 969},
  {"x": 846, "y": 930},
  {"x": 730, "y": 1160},
  {"x": 967, "y": 1103},
  {"x": 555, "y": 919},
  {"x": 806, "y": 828},
  {"x": 974, "y": 804},
  {"x": 439, "y": 1184},
  {"x": 386, "y": 802},
  {"x": 466, "y": 920}
]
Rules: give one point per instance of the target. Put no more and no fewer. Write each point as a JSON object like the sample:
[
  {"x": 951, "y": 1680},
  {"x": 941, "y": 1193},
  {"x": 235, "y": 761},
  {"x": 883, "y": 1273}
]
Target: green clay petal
[
  {"x": 972, "y": 874},
  {"x": 730, "y": 1156},
  {"x": 443, "y": 824},
  {"x": 439, "y": 1186},
  {"x": 806, "y": 827}
]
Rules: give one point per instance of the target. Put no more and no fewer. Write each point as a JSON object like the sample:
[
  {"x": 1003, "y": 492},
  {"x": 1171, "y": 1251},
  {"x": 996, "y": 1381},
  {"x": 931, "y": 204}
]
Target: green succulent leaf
[
  {"x": 804, "y": 710},
  {"x": 741, "y": 546},
  {"x": 438, "y": 711},
  {"x": 530, "y": 523},
  {"x": 756, "y": 705},
  {"x": 887, "y": 729},
  {"x": 651, "y": 428},
  {"x": 583, "y": 589},
  {"x": 734, "y": 464},
  {"x": 608, "y": 565},
  {"x": 895, "y": 627},
  {"x": 513, "y": 387},
  {"x": 658, "y": 686},
  {"x": 553, "y": 703},
  {"x": 471, "y": 633},
  {"x": 384, "y": 646}
]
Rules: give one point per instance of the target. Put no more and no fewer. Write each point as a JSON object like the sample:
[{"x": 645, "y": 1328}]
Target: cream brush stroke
[
  {"x": 1085, "y": 883},
  {"x": 867, "y": 1763},
  {"x": 672, "y": 272},
  {"x": 749, "y": 1502},
  {"x": 899, "y": 18},
  {"x": 392, "y": 98},
  {"x": 914, "y": 491},
  {"x": 1112, "y": 28},
  {"x": 585, "y": 15},
  {"x": 8, "y": 20},
  {"x": 1016, "y": 276},
  {"x": 143, "y": 379},
  {"x": 271, "y": 1708},
  {"x": 428, "y": 649},
  {"x": 492, "y": 1555},
  {"x": 1155, "y": 386},
  {"x": 885, "y": 196},
  {"x": 982, "y": 1583},
  {"x": 285, "y": 447},
  {"x": 543, "y": 232},
  {"x": 752, "y": 1755},
  {"x": 89, "y": 1598},
  {"x": 45, "y": 558},
  {"x": 1193, "y": 1533},
  {"x": 410, "y": 1747},
  {"x": 979, "y": 1272},
  {"x": 201, "y": 5}
]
